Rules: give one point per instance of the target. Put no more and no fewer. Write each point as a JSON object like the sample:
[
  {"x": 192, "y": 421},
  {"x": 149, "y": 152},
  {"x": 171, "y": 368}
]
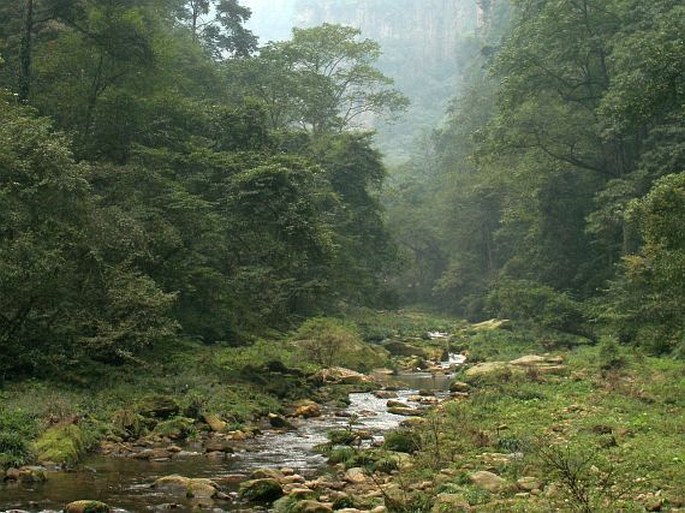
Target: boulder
[
  {"x": 264, "y": 490},
  {"x": 355, "y": 475},
  {"x": 342, "y": 375},
  {"x": 279, "y": 421},
  {"x": 392, "y": 403},
  {"x": 218, "y": 445},
  {"x": 488, "y": 481},
  {"x": 450, "y": 502},
  {"x": 87, "y": 506},
  {"x": 159, "y": 406},
  {"x": 528, "y": 484},
  {"x": 32, "y": 474},
  {"x": 310, "y": 506},
  {"x": 459, "y": 386},
  {"x": 406, "y": 411},
  {"x": 307, "y": 409},
  {"x": 398, "y": 348},
  {"x": 214, "y": 422},
  {"x": 187, "y": 487},
  {"x": 485, "y": 369}
]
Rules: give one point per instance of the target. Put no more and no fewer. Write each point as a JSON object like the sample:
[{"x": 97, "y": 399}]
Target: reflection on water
[{"x": 125, "y": 483}]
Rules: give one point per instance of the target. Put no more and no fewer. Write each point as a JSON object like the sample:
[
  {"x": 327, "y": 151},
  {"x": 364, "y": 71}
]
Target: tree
[
  {"x": 323, "y": 80},
  {"x": 218, "y": 26}
]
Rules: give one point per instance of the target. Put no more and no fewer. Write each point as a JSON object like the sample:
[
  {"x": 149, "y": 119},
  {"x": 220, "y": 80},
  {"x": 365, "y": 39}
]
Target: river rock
[
  {"x": 267, "y": 473},
  {"x": 488, "y": 481},
  {"x": 87, "y": 506},
  {"x": 307, "y": 409},
  {"x": 28, "y": 474},
  {"x": 186, "y": 486},
  {"x": 385, "y": 394},
  {"x": 406, "y": 411},
  {"x": 450, "y": 502},
  {"x": 279, "y": 421},
  {"x": 214, "y": 422},
  {"x": 218, "y": 445},
  {"x": 342, "y": 375},
  {"x": 310, "y": 506},
  {"x": 392, "y": 403},
  {"x": 264, "y": 490}
]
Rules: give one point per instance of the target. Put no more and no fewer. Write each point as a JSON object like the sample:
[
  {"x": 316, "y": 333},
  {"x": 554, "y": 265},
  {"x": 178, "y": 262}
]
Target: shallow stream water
[{"x": 124, "y": 483}]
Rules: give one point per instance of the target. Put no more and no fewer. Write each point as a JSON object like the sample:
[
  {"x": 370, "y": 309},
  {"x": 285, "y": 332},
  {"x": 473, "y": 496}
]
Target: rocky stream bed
[{"x": 214, "y": 473}]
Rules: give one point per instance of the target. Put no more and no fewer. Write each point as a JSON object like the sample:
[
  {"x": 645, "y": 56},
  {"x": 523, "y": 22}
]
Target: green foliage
[
  {"x": 524, "y": 299},
  {"x": 64, "y": 444},
  {"x": 401, "y": 441},
  {"x": 17, "y": 427},
  {"x": 331, "y": 342}
]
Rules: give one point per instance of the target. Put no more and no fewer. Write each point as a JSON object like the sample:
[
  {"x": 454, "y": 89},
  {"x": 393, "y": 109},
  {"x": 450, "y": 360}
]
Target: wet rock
[
  {"x": 385, "y": 394},
  {"x": 450, "y": 502},
  {"x": 406, "y": 411},
  {"x": 219, "y": 445},
  {"x": 264, "y": 490},
  {"x": 12, "y": 474},
  {"x": 279, "y": 421},
  {"x": 264, "y": 473},
  {"x": 395, "y": 404},
  {"x": 187, "y": 487},
  {"x": 153, "y": 454},
  {"x": 87, "y": 506},
  {"x": 488, "y": 481},
  {"x": 31, "y": 474},
  {"x": 214, "y": 422}
]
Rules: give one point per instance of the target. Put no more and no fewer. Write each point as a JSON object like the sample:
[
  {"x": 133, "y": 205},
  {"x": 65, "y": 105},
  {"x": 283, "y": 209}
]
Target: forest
[{"x": 186, "y": 209}]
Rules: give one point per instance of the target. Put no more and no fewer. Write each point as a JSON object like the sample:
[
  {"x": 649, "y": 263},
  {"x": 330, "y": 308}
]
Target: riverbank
[{"x": 570, "y": 426}]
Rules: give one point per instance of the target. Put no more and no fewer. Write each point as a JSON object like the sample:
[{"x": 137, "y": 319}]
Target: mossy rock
[
  {"x": 159, "y": 406},
  {"x": 61, "y": 444},
  {"x": 87, "y": 506},
  {"x": 261, "y": 490}
]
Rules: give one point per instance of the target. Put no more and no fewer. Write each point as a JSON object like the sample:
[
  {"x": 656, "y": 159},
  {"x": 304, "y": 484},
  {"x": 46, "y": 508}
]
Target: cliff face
[{"x": 425, "y": 31}]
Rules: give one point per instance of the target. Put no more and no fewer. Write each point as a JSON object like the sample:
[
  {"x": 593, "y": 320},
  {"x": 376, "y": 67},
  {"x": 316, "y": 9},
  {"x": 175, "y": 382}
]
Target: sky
[{"x": 271, "y": 19}]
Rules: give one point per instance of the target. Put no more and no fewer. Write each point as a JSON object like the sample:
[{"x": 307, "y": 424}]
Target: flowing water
[{"x": 125, "y": 482}]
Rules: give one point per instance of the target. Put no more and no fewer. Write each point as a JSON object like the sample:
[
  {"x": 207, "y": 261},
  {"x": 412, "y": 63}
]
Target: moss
[
  {"x": 61, "y": 444},
  {"x": 177, "y": 427}
]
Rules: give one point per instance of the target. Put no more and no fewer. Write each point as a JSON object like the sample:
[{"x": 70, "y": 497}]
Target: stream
[{"x": 124, "y": 483}]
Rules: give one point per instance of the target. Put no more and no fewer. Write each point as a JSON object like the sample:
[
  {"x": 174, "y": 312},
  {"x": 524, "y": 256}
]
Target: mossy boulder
[
  {"x": 159, "y": 407},
  {"x": 398, "y": 348},
  {"x": 64, "y": 444},
  {"x": 264, "y": 490},
  {"x": 187, "y": 487},
  {"x": 87, "y": 506}
]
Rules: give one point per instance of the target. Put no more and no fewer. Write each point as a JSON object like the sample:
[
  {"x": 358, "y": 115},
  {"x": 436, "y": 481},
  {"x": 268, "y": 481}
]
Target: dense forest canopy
[
  {"x": 162, "y": 175},
  {"x": 541, "y": 195}
]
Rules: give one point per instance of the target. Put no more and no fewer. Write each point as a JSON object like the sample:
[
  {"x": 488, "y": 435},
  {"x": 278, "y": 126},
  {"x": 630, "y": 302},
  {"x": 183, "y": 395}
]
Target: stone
[
  {"x": 153, "y": 454},
  {"x": 385, "y": 394},
  {"x": 264, "y": 473},
  {"x": 87, "y": 506},
  {"x": 310, "y": 506},
  {"x": 214, "y": 422},
  {"x": 279, "y": 421},
  {"x": 488, "y": 481},
  {"x": 395, "y": 404},
  {"x": 485, "y": 369},
  {"x": 406, "y": 411},
  {"x": 32, "y": 474},
  {"x": 307, "y": 409},
  {"x": 450, "y": 502},
  {"x": 355, "y": 475},
  {"x": 342, "y": 375},
  {"x": 528, "y": 483},
  {"x": 218, "y": 445},
  {"x": 264, "y": 490},
  {"x": 459, "y": 386},
  {"x": 158, "y": 406}
]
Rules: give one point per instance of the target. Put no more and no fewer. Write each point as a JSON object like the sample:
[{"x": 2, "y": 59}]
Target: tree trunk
[{"x": 25, "y": 54}]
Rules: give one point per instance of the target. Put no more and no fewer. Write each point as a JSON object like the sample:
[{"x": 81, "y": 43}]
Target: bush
[
  {"x": 331, "y": 342},
  {"x": 529, "y": 300}
]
